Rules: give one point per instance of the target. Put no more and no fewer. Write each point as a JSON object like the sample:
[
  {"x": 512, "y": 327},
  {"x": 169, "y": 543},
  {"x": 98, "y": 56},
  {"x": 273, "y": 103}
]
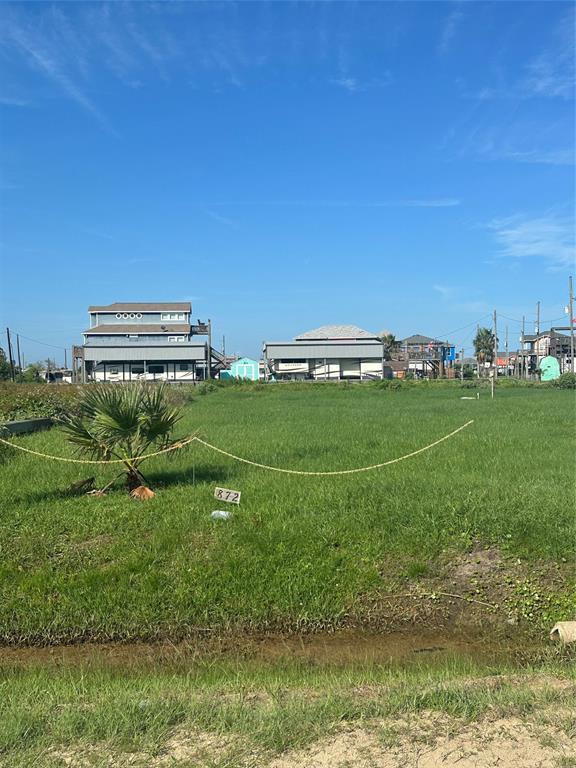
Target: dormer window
[{"x": 172, "y": 316}]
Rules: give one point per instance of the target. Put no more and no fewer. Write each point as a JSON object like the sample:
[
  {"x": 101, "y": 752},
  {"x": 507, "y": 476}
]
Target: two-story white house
[{"x": 145, "y": 341}]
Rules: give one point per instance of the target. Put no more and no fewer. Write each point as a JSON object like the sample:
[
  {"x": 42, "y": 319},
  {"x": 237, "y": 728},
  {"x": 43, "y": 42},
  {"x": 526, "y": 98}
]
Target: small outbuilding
[{"x": 244, "y": 368}]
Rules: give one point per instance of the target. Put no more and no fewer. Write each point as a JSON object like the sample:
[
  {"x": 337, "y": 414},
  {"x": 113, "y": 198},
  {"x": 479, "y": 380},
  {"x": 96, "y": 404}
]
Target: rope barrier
[
  {"x": 174, "y": 447},
  {"x": 197, "y": 439},
  {"x": 336, "y": 472}
]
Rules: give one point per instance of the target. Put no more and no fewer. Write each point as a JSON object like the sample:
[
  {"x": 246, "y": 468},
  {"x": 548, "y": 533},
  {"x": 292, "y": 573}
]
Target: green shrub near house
[
  {"x": 26, "y": 401},
  {"x": 565, "y": 381}
]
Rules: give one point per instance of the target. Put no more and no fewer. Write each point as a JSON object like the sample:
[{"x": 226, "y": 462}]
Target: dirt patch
[
  {"x": 429, "y": 742},
  {"x": 482, "y": 592},
  {"x": 476, "y": 564},
  {"x": 184, "y": 748},
  {"x": 94, "y": 543}
]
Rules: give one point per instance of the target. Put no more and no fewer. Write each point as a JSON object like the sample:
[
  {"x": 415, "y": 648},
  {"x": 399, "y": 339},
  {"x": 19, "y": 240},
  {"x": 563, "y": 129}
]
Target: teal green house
[{"x": 245, "y": 368}]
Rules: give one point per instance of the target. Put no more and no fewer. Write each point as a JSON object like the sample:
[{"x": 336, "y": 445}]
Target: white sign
[{"x": 225, "y": 494}]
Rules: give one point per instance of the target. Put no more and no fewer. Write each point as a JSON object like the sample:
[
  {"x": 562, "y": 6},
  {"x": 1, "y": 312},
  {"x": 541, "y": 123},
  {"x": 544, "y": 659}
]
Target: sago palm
[{"x": 123, "y": 422}]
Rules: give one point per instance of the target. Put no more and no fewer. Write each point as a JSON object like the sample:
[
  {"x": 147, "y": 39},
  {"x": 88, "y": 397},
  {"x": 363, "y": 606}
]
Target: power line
[
  {"x": 463, "y": 327},
  {"x": 542, "y": 322},
  {"x": 43, "y": 343}
]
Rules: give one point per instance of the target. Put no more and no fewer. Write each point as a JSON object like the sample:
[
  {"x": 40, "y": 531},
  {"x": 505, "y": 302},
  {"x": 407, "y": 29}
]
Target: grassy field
[
  {"x": 302, "y": 552},
  {"x": 224, "y": 715}
]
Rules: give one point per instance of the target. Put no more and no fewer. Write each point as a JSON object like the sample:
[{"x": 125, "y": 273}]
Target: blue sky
[{"x": 401, "y": 166}]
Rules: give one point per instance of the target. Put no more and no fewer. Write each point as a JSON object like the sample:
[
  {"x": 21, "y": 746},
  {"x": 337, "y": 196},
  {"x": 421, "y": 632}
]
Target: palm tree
[
  {"x": 123, "y": 422},
  {"x": 389, "y": 344},
  {"x": 484, "y": 346}
]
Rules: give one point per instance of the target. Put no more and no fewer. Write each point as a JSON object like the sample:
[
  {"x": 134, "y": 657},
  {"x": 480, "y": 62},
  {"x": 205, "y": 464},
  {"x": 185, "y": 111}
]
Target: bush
[
  {"x": 393, "y": 384},
  {"x": 207, "y": 387},
  {"x": 565, "y": 381},
  {"x": 26, "y": 401}
]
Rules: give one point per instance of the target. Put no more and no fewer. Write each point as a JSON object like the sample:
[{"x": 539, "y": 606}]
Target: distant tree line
[{"x": 30, "y": 374}]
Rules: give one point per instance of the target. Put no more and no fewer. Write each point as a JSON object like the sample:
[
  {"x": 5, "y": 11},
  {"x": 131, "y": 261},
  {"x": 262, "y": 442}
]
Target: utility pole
[
  {"x": 495, "y": 343},
  {"x": 476, "y": 353},
  {"x": 537, "y": 344},
  {"x": 224, "y": 347},
  {"x": 495, "y": 371},
  {"x": 462, "y": 365},
  {"x": 571, "y": 307},
  {"x": 209, "y": 371},
  {"x": 65, "y": 358},
  {"x": 18, "y": 352},
  {"x": 507, "y": 355},
  {"x": 522, "y": 357},
  {"x": 10, "y": 354}
]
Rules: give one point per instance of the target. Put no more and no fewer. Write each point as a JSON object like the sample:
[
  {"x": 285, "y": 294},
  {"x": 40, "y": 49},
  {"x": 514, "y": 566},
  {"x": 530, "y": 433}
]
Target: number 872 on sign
[{"x": 225, "y": 494}]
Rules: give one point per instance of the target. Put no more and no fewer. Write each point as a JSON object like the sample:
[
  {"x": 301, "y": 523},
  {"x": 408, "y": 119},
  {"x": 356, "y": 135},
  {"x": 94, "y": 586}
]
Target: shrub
[
  {"x": 207, "y": 387},
  {"x": 565, "y": 381},
  {"x": 26, "y": 401},
  {"x": 393, "y": 384}
]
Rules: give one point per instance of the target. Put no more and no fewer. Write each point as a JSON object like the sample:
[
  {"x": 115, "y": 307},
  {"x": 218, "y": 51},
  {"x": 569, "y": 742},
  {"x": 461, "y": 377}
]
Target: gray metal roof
[
  {"x": 417, "y": 338},
  {"x": 336, "y": 332},
  {"x": 545, "y": 334},
  {"x": 124, "y": 306},
  {"x": 141, "y": 328}
]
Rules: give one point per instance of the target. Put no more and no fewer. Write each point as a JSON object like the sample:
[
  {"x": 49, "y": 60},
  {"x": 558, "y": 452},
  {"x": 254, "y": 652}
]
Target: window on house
[
  {"x": 133, "y": 336},
  {"x": 113, "y": 371},
  {"x": 172, "y": 316},
  {"x": 183, "y": 367},
  {"x": 155, "y": 369},
  {"x": 175, "y": 338},
  {"x": 137, "y": 369}
]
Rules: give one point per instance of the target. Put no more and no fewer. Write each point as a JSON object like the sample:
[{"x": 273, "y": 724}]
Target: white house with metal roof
[
  {"x": 332, "y": 352},
  {"x": 129, "y": 341}
]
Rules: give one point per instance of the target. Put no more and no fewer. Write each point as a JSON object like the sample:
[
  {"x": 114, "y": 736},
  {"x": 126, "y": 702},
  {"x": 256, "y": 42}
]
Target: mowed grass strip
[
  {"x": 242, "y": 715},
  {"x": 299, "y": 551}
]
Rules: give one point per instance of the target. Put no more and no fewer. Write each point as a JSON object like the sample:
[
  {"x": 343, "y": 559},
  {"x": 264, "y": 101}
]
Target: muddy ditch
[{"x": 341, "y": 647}]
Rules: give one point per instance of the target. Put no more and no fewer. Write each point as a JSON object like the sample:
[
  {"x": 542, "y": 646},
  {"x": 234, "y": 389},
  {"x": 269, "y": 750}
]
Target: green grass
[
  {"x": 110, "y": 717},
  {"x": 298, "y": 552}
]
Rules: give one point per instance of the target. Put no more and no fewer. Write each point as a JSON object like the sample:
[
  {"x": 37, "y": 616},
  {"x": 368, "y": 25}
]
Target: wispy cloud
[
  {"x": 442, "y": 202},
  {"x": 45, "y": 60},
  {"x": 97, "y": 233},
  {"x": 458, "y": 299},
  {"x": 552, "y": 72},
  {"x": 510, "y": 145},
  {"x": 355, "y": 85},
  {"x": 549, "y": 237},
  {"x": 9, "y": 101},
  {"x": 542, "y": 156},
  {"x": 222, "y": 219},
  {"x": 453, "y": 21},
  {"x": 446, "y": 291}
]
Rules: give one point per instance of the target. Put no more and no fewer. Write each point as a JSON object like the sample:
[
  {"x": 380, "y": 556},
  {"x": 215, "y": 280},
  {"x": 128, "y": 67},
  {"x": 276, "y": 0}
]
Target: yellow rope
[
  {"x": 175, "y": 447},
  {"x": 337, "y": 472},
  {"x": 182, "y": 443}
]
